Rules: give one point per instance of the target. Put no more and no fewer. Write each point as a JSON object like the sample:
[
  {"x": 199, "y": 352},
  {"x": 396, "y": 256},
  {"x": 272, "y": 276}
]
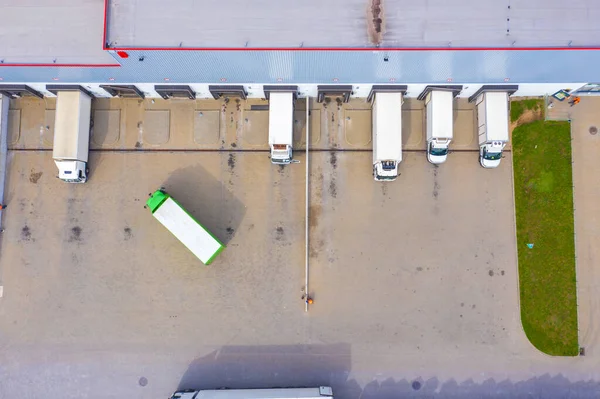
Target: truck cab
[
  {"x": 281, "y": 154},
  {"x": 281, "y": 126},
  {"x": 490, "y": 154},
  {"x": 72, "y": 171}
]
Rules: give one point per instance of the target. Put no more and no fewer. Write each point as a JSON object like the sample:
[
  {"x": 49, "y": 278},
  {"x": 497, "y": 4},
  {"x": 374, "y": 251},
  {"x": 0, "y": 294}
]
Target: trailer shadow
[
  {"x": 271, "y": 366},
  {"x": 296, "y": 366},
  {"x": 206, "y": 199}
]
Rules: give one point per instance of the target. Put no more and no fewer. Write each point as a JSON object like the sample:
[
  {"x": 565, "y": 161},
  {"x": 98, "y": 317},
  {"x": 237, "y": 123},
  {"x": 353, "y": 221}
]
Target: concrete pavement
[
  {"x": 415, "y": 281},
  {"x": 586, "y": 147}
]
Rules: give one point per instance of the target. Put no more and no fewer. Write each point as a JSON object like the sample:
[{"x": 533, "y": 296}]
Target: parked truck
[
  {"x": 275, "y": 393},
  {"x": 492, "y": 117},
  {"x": 439, "y": 109},
  {"x": 281, "y": 127},
  {"x": 387, "y": 135},
  {"x": 72, "y": 135},
  {"x": 184, "y": 227}
]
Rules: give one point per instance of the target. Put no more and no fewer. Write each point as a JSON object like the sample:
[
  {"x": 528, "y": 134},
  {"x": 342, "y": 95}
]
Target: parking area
[{"x": 414, "y": 281}]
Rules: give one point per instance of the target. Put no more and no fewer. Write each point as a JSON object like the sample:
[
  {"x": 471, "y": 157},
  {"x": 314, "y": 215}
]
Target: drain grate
[{"x": 593, "y": 130}]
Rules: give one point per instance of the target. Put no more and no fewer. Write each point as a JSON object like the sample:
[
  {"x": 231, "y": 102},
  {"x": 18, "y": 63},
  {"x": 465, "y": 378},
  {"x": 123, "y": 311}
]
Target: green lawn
[
  {"x": 517, "y": 108},
  {"x": 544, "y": 208}
]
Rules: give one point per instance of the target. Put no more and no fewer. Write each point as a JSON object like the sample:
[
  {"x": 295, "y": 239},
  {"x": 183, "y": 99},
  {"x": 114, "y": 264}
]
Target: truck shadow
[
  {"x": 271, "y": 366},
  {"x": 296, "y": 366},
  {"x": 207, "y": 200}
]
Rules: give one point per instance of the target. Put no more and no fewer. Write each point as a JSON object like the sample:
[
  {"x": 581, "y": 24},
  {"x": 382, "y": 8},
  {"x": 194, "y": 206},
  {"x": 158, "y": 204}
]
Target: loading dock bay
[{"x": 410, "y": 278}]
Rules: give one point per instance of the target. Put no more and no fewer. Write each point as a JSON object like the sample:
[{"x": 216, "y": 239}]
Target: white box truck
[
  {"x": 184, "y": 227},
  {"x": 387, "y": 135},
  {"x": 274, "y": 393},
  {"x": 72, "y": 135},
  {"x": 492, "y": 122},
  {"x": 440, "y": 121},
  {"x": 281, "y": 126}
]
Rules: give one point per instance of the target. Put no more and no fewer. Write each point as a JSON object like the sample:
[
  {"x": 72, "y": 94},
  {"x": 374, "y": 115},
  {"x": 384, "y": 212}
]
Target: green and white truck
[{"x": 183, "y": 226}]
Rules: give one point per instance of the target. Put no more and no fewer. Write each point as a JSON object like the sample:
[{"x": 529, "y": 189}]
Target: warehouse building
[{"x": 128, "y": 48}]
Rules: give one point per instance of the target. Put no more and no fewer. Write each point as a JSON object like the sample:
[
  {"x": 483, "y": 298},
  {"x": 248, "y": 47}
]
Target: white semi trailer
[
  {"x": 440, "y": 121},
  {"x": 72, "y": 135},
  {"x": 492, "y": 117},
  {"x": 276, "y": 393},
  {"x": 387, "y": 135},
  {"x": 281, "y": 127}
]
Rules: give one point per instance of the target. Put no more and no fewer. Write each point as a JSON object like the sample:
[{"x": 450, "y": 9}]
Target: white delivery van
[
  {"x": 387, "y": 135},
  {"x": 281, "y": 126},
  {"x": 440, "y": 121},
  {"x": 492, "y": 122},
  {"x": 72, "y": 135},
  {"x": 275, "y": 393},
  {"x": 184, "y": 227}
]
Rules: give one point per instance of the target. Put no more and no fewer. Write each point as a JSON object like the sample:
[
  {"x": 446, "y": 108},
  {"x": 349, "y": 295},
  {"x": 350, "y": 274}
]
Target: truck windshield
[
  {"x": 388, "y": 165},
  {"x": 438, "y": 151},
  {"x": 492, "y": 156}
]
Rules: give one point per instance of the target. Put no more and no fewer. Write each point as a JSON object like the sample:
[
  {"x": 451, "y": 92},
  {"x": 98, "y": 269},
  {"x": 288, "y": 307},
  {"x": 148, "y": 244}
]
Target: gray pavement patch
[
  {"x": 157, "y": 127},
  {"x": 314, "y": 214},
  {"x": 25, "y": 233},
  {"x": 300, "y": 127},
  {"x": 254, "y": 133},
  {"x": 333, "y": 159},
  {"x": 75, "y": 235},
  {"x": 333, "y": 188},
  {"x": 436, "y": 184},
  {"x": 107, "y": 126},
  {"x": 14, "y": 126},
  {"x": 357, "y": 127},
  {"x": 280, "y": 234},
  {"x": 412, "y": 128},
  {"x": 35, "y": 176},
  {"x": 464, "y": 130},
  {"x": 47, "y": 132},
  {"x": 207, "y": 127}
]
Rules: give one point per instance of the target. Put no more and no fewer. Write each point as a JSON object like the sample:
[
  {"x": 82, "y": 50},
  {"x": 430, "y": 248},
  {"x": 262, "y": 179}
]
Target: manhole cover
[
  {"x": 143, "y": 381},
  {"x": 593, "y": 130},
  {"x": 416, "y": 385}
]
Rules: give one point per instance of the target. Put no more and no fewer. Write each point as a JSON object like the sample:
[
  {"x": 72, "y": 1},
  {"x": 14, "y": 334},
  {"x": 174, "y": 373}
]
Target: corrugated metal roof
[
  {"x": 353, "y": 23},
  {"x": 333, "y": 67},
  {"x": 52, "y": 32}
]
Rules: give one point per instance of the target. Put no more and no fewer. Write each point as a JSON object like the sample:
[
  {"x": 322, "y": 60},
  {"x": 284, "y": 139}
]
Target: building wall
[{"x": 334, "y": 67}]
